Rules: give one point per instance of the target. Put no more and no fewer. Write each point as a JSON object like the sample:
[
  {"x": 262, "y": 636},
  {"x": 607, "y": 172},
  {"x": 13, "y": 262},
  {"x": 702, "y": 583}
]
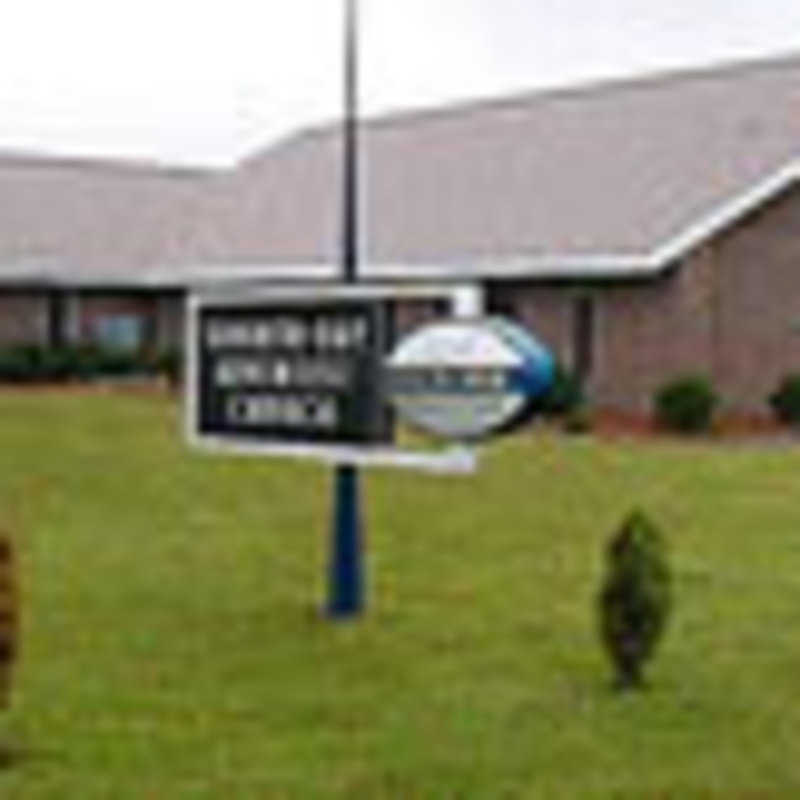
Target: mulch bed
[{"x": 612, "y": 424}]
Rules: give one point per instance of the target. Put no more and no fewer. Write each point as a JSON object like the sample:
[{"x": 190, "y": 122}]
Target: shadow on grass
[{"x": 15, "y": 754}]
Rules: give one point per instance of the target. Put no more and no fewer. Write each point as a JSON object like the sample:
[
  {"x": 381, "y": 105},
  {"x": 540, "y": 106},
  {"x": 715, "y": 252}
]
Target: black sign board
[{"x": 293, "y": 372}]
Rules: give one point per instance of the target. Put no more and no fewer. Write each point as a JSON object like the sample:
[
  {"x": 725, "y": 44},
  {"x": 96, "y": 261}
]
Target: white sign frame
[{"x": 458, "y": 459}]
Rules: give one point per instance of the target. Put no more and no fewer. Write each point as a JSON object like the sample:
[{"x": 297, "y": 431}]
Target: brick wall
[
  {"x": 171, "y": 316},
  {"x": 645, "y": 332},
  {"x": 757, "y": 335},
  {"x": 651, "y": 332},
  {"x": 23, "y": 318},
  {"x": 730, "y": 310}
]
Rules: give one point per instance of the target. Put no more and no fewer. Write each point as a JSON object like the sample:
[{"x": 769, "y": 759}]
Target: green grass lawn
[{"x": 172, "y": 648}]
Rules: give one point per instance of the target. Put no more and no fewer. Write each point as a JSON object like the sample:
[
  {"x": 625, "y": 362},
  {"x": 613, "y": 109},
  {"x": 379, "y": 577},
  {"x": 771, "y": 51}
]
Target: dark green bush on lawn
[
  {"x": 635, "y": 600},
  {"x": 686, "y": 405},
  {"x": 34, "y": 364},
  {"x": 169, "y": 363},
  {"x": 119, "y": 363},
  {"x": 16, "y": 364},
  {"x": 785, "y": 400},
  {"x": 87, "y": 362},
  {"x": 564, "y": 396},
  {"x": 54, "y": 364}
]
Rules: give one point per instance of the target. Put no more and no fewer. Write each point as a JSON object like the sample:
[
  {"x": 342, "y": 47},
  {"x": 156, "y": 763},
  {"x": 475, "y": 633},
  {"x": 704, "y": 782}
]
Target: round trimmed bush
[
  {"x": 17, "y": 364},
  {"x": 56, "y": 364},
  {"x": 113, "y": 363},
  {"x": 686, "y": 405},
  {"x": 87, "y": 362},
  {"x": 785, "y": 400}
]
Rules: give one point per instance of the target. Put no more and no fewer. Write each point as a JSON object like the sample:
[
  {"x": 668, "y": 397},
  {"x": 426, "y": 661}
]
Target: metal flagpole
[{"x": 346, "y": 587}]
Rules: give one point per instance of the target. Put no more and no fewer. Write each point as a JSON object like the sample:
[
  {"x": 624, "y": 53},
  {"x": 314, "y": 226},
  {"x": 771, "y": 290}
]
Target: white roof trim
[
  {"x": 257, "y": 295},
  {"x": 724, "y": 216},
  {"x": 30, "y": 269},
  {"x": 200, "y": 275},
  {"x": 517, "y": 267}
]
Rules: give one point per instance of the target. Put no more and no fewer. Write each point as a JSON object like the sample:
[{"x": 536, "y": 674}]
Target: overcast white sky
[{"x": 205, "y": 81}]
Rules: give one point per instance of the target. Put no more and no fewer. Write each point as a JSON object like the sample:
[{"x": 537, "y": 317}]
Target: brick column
[
  {"x": 72, "y": 317},
  {"x": 55, "y": 316}
]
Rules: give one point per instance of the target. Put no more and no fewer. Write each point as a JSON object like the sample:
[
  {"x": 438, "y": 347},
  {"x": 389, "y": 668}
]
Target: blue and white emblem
[{"x": 465, "y": 379}]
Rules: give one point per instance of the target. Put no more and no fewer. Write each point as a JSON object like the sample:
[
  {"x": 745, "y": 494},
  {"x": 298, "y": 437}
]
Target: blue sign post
[
  {"x": 346, "y": 590},
  {"x": 346, "y": 570}
]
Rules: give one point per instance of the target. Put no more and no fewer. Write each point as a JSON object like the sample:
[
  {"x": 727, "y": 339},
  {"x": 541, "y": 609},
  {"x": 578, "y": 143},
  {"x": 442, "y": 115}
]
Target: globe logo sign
[{"x": 466, "y": 379}]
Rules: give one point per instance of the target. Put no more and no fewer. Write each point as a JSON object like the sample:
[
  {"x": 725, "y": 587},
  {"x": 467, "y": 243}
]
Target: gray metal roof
[
  {"x": 611, "y": 178},
  {"x": 87, "y": 220}
]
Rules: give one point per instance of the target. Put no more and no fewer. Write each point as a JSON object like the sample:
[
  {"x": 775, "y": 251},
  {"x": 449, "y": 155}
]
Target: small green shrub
[
  {"x": 564, "y": 396},
  {"x": 55, "y": 364},
  {"x": 785, "y": 400},
  {"x": 32, "y": 363},
  {"x": 686, "y": 405},
  {"x": 118, "y": 363},
  {"x": 635, "y": 600},
  {"x": 169, "y": 363},
  {"x": 17, "y": 364},
  {"x": 87, "y": 362}
]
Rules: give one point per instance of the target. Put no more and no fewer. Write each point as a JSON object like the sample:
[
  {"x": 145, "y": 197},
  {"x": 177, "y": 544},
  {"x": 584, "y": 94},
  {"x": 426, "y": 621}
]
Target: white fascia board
[
  {"x": 199, "y": 275},
  {"x": 727, "y": 214},
  {"x": 113, "y": 282},
  {"x": 314, "y": 293},
  {"x": 462, "y": 272},
  {"x": 28, "y": 270},
  {"x": 566, "y": 266},
  {"x": 59, "y": 275}
]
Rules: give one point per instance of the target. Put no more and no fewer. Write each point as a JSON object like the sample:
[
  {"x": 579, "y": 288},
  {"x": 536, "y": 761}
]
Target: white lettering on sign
[
  {"x": 294, "y": 372},
  {"x": 231, "y": 372},
  {"x": 418, "y": 379},
  {"x": 328, "y": 332},
  {"x": 289, "y": 411}
]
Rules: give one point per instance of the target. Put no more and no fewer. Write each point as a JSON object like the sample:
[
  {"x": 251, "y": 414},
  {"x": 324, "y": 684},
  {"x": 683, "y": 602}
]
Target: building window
[
  {"x": 119, "y": 331},
  {"x": 583, "y": 336}
]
